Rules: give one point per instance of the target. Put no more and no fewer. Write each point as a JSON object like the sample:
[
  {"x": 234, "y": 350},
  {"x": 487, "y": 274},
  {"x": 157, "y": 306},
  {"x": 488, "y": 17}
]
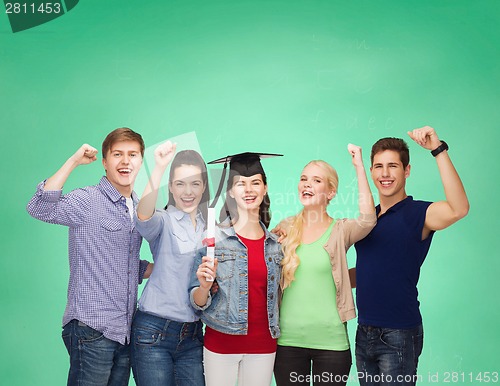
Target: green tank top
[{"x": 308, "y": 313}]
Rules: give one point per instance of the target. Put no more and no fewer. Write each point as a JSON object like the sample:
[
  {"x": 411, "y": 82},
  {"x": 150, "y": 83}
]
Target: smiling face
[
  {"x": 122, "y": 163},
  {"x": 248, "y": 192},
  {"x": 389, "y": 175},
  {"x": 314, "y": 187},
  {"x": 187, "y": 187}
]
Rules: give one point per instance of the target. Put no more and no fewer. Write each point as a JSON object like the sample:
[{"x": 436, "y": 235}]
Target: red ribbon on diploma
[{"x": 209, "y": 242}]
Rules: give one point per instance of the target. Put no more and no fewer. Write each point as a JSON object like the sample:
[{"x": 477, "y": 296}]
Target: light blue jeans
[
  {"x": 94, "y": 359},
  {"x": 165, "y": 352},
  {"x": 386, "y": 356}
]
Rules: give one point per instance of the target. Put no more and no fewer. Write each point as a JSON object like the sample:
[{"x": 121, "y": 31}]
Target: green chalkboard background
[{"x": 302, "y": 78}]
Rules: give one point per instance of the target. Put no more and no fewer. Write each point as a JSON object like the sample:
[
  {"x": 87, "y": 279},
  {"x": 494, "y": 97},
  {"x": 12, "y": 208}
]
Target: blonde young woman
[{"x": 317, "y": 297}]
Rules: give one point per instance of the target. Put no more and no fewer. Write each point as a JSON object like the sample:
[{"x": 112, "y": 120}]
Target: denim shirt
[
  {"x": 227, "y": 310},
  {"x": 173, "y": 242}
]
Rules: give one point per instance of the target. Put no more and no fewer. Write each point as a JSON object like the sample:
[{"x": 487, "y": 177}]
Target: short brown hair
[
  {"x": 395, "y": 144},
  {"x": 118, "y": 135}
]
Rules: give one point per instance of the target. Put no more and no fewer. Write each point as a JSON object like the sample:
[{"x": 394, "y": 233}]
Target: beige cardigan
[{"x": 346, "y": 232}]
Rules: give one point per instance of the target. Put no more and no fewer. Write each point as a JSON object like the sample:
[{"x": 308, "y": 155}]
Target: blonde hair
[{"x": 295, "y": 228}]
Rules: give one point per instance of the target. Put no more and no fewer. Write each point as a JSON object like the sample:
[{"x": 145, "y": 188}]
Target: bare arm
[
  {"x": 442, "y": 214},
  {"x": 85, "y": 155},
  {"x": 365, "y": 198},
  {"x": 352, "y": 277},
  {"x": 163, "y": 155},
  {"x": 149, "y": 271}
]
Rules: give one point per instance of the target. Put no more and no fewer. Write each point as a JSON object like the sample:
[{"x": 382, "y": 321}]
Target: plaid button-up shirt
[{"x": 104, "y": 246}]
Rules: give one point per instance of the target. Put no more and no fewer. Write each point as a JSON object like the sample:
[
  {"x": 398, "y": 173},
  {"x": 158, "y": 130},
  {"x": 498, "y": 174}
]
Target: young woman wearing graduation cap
[
  {"x": 317, "y": 296},
  {"x": 242, "y": 316},
  {"x": 167, "y": 337}
]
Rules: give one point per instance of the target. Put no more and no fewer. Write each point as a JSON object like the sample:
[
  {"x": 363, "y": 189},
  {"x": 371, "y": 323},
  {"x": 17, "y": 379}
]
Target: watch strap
[{"x": 440, "y": 148}]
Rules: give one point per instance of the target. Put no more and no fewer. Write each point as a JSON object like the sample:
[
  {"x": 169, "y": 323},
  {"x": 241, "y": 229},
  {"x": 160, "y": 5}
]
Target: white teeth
[
  {"x": 385, "y": 183},
  {"x": 307, "y": 194},
  {"x": 124, "y": 170}
]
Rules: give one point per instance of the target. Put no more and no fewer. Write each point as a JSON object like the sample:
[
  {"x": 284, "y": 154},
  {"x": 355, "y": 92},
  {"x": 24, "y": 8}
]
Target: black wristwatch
[{"x": 440, "y": 148}]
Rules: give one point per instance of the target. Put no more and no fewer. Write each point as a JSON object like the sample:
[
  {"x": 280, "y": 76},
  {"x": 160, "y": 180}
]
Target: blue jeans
[
  {"x": 387, "y": 356},
  {"x": 165, "y": 352},
  {"x": 94, "y": 359}
]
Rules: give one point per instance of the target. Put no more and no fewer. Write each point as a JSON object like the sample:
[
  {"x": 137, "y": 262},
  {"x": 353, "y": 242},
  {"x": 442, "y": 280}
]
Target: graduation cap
[{"x": 243, "y": 164}]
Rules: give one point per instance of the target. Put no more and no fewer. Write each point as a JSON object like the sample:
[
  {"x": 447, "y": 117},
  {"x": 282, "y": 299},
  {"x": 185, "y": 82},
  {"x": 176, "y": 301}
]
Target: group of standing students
[{"x": 271, "y": 302}]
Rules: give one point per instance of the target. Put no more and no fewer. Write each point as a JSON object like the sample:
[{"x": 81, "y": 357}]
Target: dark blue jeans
[
  {"x": 94, "y": 359},
  {"x": 165, "y": 352},
  {"x": 386, "y": 356}
]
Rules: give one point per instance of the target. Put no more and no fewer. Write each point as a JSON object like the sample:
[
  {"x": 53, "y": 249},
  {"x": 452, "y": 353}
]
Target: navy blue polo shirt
[{"x": 388, "y": 267}]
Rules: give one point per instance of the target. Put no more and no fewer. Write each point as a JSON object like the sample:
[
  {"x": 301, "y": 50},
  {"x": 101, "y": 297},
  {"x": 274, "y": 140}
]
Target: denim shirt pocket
[
  {"x": 184, "y": 245},
  {"x": 274, "y": 261},
  {"x": 274, "y": 276},
  {"x": 226, "y": 264},
  {"x": 277, "y": 257}
]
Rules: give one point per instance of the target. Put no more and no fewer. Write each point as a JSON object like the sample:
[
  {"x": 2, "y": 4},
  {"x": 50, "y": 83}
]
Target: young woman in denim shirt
[
  {"x": 167, "y": 337},
  {"x": 317, "y": 296},
  {"x": 242, "y": 316}
]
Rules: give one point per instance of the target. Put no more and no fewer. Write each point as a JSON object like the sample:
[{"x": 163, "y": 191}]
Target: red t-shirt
[{"x": 258, "y": 339}]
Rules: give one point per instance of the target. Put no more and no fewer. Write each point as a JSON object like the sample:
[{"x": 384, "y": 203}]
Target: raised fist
[
  {"x": 426, "y": 137},
  {"x": 355, "y": 152},
  {"x": 164, "y": 153},
  {"x": 85, "y": 155}
]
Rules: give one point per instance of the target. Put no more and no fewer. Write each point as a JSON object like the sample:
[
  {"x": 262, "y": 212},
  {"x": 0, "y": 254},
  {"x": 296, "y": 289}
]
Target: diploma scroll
[{"x": 210, "y": 239}]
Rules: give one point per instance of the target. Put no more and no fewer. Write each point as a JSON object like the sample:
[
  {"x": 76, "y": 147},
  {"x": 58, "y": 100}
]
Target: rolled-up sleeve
[
  {"x": 151, "y": 228},
  {"x": 53, "y": 207},
  {"x": 196, "y": 306}
]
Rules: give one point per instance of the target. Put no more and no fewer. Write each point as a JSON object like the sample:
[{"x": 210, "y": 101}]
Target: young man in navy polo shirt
[{"x": 389, "y": 338}]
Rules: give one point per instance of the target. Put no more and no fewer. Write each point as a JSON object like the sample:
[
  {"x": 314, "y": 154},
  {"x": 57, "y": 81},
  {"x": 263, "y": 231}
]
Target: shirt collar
[
  {"x": 396, "y": 206},
  {"x": 229, "y": 230},
  {"x": 111, "y": 191},
  {"x": 179, "y": 214}
]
